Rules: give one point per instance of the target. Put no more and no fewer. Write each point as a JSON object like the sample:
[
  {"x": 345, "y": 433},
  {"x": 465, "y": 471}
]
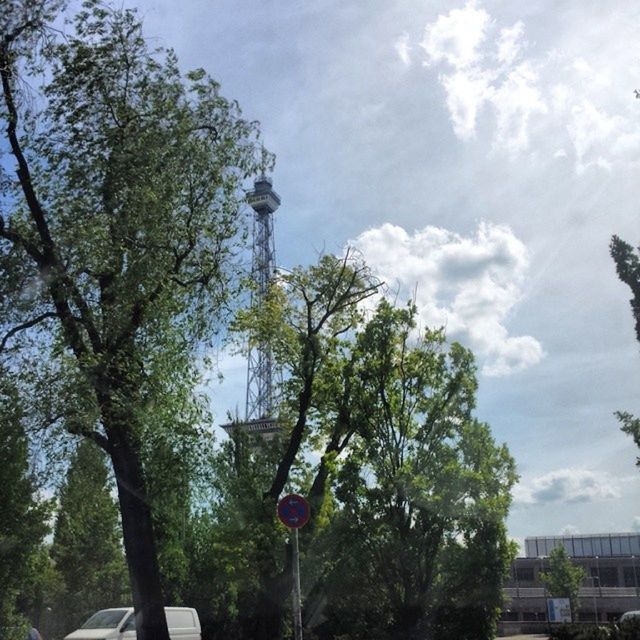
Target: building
[{"x": 611, "y": 563}]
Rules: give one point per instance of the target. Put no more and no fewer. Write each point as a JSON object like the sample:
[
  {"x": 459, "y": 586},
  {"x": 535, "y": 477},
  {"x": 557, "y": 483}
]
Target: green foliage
[
  {"x": 628, "y": 269},
  {"x": 234, "y": 543},
  {"x": 471, "y": 581},
  {"x": 563, "y": 579},
  {"x": 23, "y": 517},
  {"x": 304, "y": 321},
  {"x": 628, "y": 630},
  {"x": 118, "y": 242},
  {"x": 424, "y": 490},
  {"x": 630, "y": 426},
  {"x": 86, "y": 548}
]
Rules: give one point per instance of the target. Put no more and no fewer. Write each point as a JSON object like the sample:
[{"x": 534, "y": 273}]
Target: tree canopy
[
  {"x": 627, "y": 263},
  {"x": 563, "y": 579},
  {"x": 118, "y": 230}
]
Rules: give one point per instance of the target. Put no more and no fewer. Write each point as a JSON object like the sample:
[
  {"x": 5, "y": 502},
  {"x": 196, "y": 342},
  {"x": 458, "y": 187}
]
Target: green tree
[
  {"x": 563, "y": 578},
  {"x": 116, "y": 237},
  {"x": 23, "y": 517},
  {"x": 424, "y": 490},
  {"x": 304, "y": 319},
  {"x": 628, "y": 268},
  {"x": 86, "y": 548}
]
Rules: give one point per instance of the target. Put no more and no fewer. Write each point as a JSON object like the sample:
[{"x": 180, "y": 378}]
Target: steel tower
[{"x": 259, "y": 410}]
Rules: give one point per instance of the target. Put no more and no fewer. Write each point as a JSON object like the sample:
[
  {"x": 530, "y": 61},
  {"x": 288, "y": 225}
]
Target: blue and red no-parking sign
[{"x": 293, "y": 511}]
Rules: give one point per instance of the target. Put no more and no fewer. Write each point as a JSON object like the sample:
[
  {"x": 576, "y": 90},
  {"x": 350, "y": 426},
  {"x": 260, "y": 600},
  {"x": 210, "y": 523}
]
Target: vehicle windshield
[{"x": 108, "y": 619}]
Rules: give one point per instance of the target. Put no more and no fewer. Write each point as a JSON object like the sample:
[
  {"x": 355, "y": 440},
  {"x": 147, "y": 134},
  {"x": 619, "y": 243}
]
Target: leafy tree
[
  {"x": 424, "y": 490},
  {"x": 563, "y": 578},
  {"x": 628, "y": 269},
  {"x": 117, "y": 234},
  {"x": 303, "y": 320},
  {"x": 233, "y": 544},
  {"x": 86, "y": 545},
  {"x": 472, "y": 574},
  {"x": 23, "y": 518}
]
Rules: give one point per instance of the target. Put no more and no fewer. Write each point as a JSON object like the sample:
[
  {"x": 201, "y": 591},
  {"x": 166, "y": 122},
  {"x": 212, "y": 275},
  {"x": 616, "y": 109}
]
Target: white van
[
  {"x": 119, "y": 624},
  {"x": 629, "y": 615}
]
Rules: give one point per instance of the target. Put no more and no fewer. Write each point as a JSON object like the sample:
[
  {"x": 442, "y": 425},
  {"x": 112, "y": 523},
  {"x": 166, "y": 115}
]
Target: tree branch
[
  {"x": 25, "y": 325},
  {"x": 46, "y": 258}
]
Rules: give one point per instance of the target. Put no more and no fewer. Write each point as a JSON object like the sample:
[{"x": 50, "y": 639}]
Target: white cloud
[
  {"x": 589, "y": 130},
  {"x": 561, "y": 96},
  {"x": 455, "y": 37},
  {"x": 567, "y": 485},
  {"x": 467, "y": 91},
  {"x": 635, "y": 526},
  {"x": 467, "y": 284},
  {"x": 516, "y": 100},
  {"x": 510, "y": 42},
  {"x": 403, "y": 49}
]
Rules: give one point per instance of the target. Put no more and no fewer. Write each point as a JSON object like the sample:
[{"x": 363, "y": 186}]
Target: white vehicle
[
  {"x": 629, "y": 615},
  {"x": 119, "y": 624}
]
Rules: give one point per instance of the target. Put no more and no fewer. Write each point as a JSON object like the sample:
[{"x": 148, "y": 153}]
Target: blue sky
[{"x": 483, "y": 152}]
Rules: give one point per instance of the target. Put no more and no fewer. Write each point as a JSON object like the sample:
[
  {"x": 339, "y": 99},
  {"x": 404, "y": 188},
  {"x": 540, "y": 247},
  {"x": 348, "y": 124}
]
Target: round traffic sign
[{"x": 293, "y": 511}]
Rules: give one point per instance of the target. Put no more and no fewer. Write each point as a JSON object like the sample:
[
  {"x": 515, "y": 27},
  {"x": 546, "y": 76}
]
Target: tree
[
  {"x": 382, "y": 404},
  {"x": 22, "y": 516},
  {"x": 628, "y": 269},
  {"x": 424, "y": 489},
  {"x": 116, "y": 237},
  {"x": 86, "y": 547},
  {"x": 305, "y": 315},
  {"x": 563, "y": 578}
]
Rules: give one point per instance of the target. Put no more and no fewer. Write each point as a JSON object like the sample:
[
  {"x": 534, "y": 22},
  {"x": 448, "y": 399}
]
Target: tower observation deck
[{"x": 259, "y": 409}]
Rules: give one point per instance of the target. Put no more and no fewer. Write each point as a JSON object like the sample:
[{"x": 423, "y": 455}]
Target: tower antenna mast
[{"x": 260, "y": 405}]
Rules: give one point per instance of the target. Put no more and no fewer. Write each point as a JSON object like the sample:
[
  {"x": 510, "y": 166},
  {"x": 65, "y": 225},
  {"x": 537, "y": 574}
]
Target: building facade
[{"x": 611, "y": 563}]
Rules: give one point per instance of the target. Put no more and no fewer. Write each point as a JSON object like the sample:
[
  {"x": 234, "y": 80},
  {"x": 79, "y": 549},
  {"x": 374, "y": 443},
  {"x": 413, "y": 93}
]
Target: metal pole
[
  {"x": 297, "y": 599},
  {"x": 635, "y": 575},
  {"x": 595, "y": 602}
]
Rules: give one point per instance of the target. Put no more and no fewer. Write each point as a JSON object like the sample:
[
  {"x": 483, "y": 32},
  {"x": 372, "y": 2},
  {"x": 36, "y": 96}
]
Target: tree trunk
[
  {"x": 139, "y": 541},
  {"x": 271, "y": 607},
  {"x": 266, "y": 622}
]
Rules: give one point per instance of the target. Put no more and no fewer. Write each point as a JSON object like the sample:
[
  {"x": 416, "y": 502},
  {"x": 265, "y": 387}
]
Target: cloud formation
[
  {"x": 567, "y": 485},
  {"x": 456, "y": 36},
  {"x": 403, "y": 49},
  {"x": 483, "y": 68},
  {"x": 467, "y": 284}
]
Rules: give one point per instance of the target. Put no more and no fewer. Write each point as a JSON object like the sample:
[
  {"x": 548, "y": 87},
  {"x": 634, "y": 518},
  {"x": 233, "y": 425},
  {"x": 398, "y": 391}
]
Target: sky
[{"x": 481, "y": 155}]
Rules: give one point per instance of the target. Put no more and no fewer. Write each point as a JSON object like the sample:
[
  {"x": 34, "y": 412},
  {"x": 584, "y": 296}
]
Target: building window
[
  {"x": 616, "y": 547},
  {"x": 607, "y": 576},
  {"x": 587, "y": 547},
  {"x": 629, "y": 579},
  {"x": 532, "y": 616},
  {"x": 578, "y": 550},
  {"x": 524, "y": 574}
]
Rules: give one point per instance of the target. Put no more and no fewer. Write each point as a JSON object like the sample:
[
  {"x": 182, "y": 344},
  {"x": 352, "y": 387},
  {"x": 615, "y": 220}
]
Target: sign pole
[
  {"x": 294, "y": 512},
  {"x": 297, "y": 598}
]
